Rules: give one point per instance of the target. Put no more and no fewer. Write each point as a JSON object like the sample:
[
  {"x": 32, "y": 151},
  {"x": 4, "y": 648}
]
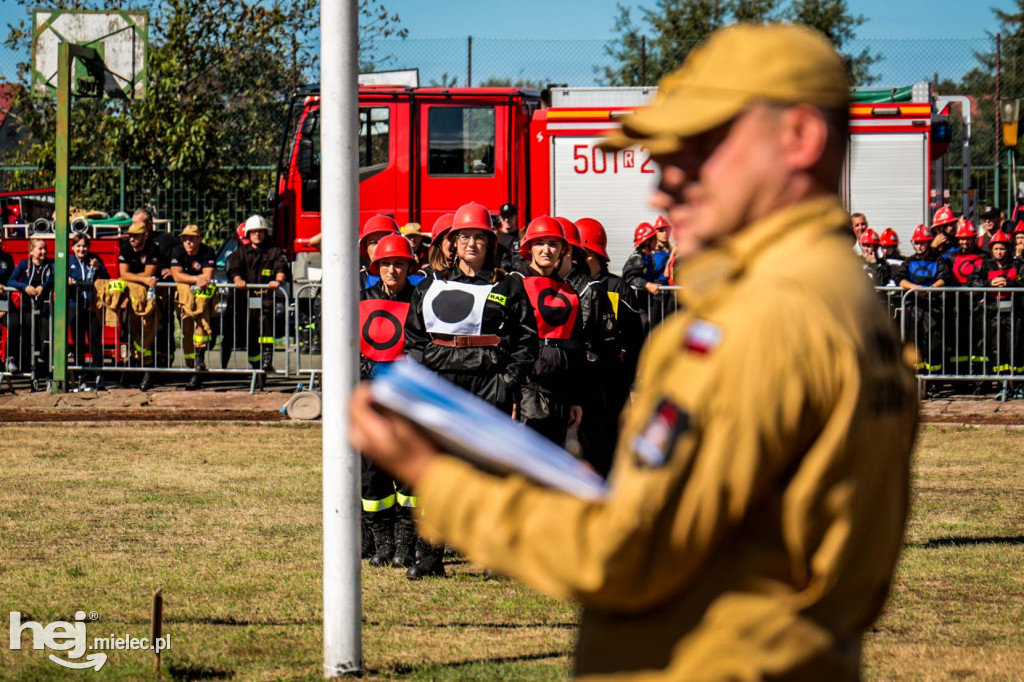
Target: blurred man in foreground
[{"x": 760, "y": 484}]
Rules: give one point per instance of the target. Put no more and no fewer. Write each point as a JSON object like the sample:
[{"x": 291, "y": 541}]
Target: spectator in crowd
[
  {"x": 944, "y": 226},
  {"x": 922, "y": 272},
  {"x": 999, "y": 270},
  {"x": 259, "y": 264},
  {"x": 383, "y": 309},
  {"x": 508, "y": 238},
  {"x": 1018, "y": 240},
  {"x": 889, "y": 242},
  {"x": 858, "y": 223},
  {"x": 371, "y": 233},
  {"x": 960, "y": 309},
  {"x": 165, "y": 243},
  {"x": 29, "y": 326},
  {"x": 138, "y": 262},
  {"x": 84, "y": 268},
  {"x": 6, "y": 268},
  {"x": 989, "y": 225},
  {"x": 641, "y": 274},
  {"x": 550, "y": 398},
  {"x": 439, "y": 255},
  {"x": 414, "y": 233},
  {"x": 611, "y": 371},
  {"x": 877, "y": 268},
  {"x": 192, "y": 266},
  {"x": 472, "y": 326}
]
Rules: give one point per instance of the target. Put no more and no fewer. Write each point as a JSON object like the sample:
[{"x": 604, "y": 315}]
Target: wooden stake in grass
[{"x": 156, "y": 627}]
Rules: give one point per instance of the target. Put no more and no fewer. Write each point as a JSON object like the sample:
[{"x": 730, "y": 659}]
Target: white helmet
[{"x": 256, "y": 222}]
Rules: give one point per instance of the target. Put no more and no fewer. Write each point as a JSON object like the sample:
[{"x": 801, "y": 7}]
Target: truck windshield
[
  {"x": 373, "y": 139},
  {"x": 461, "y": 141}
]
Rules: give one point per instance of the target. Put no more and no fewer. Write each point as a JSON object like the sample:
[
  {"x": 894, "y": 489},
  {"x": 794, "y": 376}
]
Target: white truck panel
[
  {"x": 887, "y": 181},
  {"x": 612, "y": 188},
  {"x": 602, "y": 97}
]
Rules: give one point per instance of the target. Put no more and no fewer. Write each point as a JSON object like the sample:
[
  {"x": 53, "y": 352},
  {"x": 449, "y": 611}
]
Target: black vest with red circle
[{"x": 382, "y": 323}]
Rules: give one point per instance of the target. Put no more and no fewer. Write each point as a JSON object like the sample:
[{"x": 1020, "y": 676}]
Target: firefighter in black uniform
[
  {"x": 193, "y": 264},
  {"x": 962, "y": 315},
  {"x": 1003, "y": 309},
  {"x": 138, "y": 261},
  {"x": 613, "y": 369},
  {"x": 472, "y": 327},
  {"x": 922, "y": 272},
  {"x": 383, "y": 308},
  {"x": 550, "y": 401},
  {"x": 373, "y": 230},
  {"x": 165, "y": 242},
  {"x": 258, "y": 263},
  {"x": 508, "y": 239},
  {"x": 944, "y": 225},
  {"x": 877, "y": 269}
]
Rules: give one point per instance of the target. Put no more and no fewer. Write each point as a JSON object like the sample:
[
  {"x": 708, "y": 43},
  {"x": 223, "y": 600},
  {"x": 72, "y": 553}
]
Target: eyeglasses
[{"x": 465, "y": 238}]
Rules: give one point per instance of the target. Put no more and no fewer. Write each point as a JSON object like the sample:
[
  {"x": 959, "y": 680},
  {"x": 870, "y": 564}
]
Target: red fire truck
[{"x": 426, "y": 151}]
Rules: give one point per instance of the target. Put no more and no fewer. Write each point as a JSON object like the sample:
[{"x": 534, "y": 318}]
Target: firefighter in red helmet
[
  {"x": 944, "y": 225},
  {"x": 613, "y": 369},
  {"x": 961, "y": 313},
  {"x": 877, "y": 268},
  {"x": 550, "y": 399},
  {"x": 471, "y": 326},
  {"x": 640, "y": 274},
  {"x": 1003, "y": 314},
  {"x": 383, "y": 308},
  {"x": 922, "y": 273},
  {"x": 370, "y": 235}
]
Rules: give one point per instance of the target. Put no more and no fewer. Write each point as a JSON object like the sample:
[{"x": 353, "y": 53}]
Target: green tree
[
  {"x": 674, "y": 27},
  {"x": 221, "y": 73}
]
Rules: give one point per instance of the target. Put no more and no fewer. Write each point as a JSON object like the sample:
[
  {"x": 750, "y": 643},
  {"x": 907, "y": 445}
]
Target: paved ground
[{"x": 963, "y": 410}]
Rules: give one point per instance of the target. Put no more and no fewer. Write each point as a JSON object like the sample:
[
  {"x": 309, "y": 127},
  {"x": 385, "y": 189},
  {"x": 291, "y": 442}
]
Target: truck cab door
[{"x": 463, "y": 156}]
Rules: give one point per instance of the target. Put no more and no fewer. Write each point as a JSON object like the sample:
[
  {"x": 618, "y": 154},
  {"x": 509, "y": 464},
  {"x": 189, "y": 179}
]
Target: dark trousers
[
  {"x": 245, "y": 328},
  {"x": 86, "y": 336},
  {"x": 28, "y": 336}
]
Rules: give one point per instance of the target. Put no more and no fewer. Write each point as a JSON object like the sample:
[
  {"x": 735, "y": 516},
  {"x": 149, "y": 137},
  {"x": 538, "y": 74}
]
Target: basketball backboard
[{"x": 120, "y": 38}]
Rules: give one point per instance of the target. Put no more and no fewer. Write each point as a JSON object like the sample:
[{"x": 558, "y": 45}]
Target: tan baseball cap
[
  {"x": 412, "y": 228},
  {"x": 191, "y": 231},
  {"x": 735, "y": 67},
  {"x": 138, "y": 228}
]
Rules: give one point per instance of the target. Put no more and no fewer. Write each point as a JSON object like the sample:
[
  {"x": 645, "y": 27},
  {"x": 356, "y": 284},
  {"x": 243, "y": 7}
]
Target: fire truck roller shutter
[
  {"x": 613, "y": 188},
  {"x": 889, "y": 180}
]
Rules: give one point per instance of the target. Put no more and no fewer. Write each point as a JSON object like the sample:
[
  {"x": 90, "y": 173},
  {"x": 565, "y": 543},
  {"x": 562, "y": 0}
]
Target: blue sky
[{"x": 916, "y": 38}]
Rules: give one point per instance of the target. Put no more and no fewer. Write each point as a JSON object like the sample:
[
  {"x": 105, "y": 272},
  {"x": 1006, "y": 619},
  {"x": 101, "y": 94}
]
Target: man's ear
[{"x": 803, "y": 137}]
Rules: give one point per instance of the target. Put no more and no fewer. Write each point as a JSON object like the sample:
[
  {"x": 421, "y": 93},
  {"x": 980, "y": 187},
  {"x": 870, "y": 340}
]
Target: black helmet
[{"x": 507, "y": 210}]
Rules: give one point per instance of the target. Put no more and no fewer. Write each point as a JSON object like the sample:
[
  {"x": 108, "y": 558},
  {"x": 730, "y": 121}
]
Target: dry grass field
[{"x": 226, "y": 518}]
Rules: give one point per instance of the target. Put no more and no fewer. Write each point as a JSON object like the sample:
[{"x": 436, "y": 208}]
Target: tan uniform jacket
[{"x": 761, "y": 479}]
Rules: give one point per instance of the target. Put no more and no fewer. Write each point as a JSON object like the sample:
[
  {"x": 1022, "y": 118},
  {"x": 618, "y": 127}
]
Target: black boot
[
  {"x": 268, "y": 359},
  {"x": 405, "y": 539},
  {"x": 200, "y": 359},
  {"x": 431, "y": 564},
  {"x": 146, "y": 383},
  {"x": 382, "y": 525},
  {"x": 194, "y": 383},
  {"x": 369, "y": 547}
]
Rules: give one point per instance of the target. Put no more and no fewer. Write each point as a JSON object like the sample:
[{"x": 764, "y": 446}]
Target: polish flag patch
[{"x": 702, "y": 337}]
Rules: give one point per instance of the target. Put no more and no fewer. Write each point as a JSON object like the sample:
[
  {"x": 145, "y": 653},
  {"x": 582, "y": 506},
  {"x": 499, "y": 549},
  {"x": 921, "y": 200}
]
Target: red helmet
[
  {"x": 642, "y": 233},
  {"x": 889, "y": 238},
  {"x": 572, "y": 233},
  {"x": 392, "y": 246},
  {"x": 869, "y": 238},
  {"x": 660, "y": 222},
  {"x": 539, "y": 228},
  {"x": 999, "y": 237},
  {"x": 241, "y": 233},
  {"x": 593, "y": 236},
  {"x": 472, "y": 216},
  {"x": 944, "y": 216},
  {"x": 921, "y": 234},
  {"x": 441, "y": 227},
  {"x": 1019, "y": 228},
  {"x": 966, "y": 231},
  {"x": 379, "y": 224}
]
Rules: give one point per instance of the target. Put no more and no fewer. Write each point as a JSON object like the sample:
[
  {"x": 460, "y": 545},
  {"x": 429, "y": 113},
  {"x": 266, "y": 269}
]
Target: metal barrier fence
[
  {"x": 306, "y": 346},
  {"x": 123, "y": 327}
]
